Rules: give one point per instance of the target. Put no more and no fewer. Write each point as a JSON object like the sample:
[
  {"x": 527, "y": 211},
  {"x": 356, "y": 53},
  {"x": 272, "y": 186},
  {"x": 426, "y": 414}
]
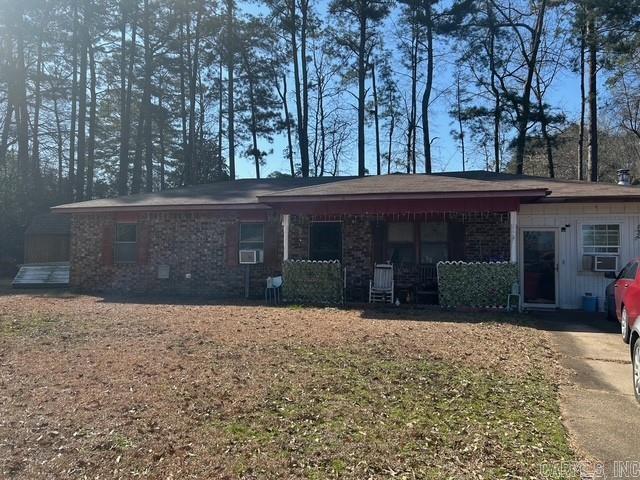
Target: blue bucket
[{"x": 589, "y": 303}]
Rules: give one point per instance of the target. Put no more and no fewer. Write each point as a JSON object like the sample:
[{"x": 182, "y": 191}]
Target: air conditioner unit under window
[
  {"x": 248, "y": 257},
  {"x": 605, "y": 263}
]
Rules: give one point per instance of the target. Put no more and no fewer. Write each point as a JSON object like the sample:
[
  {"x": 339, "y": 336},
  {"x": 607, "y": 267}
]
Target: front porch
[{"x": 413, "y": 242}]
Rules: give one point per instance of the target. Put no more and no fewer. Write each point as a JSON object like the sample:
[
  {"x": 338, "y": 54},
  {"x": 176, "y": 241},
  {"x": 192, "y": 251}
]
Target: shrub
[
  {"x": 312, "y": 282},
  {"x": 478, "y": 284}
]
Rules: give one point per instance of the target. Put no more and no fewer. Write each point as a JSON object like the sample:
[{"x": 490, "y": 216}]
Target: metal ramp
[{"x": 46, "y": 275}]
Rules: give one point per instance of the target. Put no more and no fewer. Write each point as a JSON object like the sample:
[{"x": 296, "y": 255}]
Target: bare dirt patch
[{"x": 97, "y": 387}]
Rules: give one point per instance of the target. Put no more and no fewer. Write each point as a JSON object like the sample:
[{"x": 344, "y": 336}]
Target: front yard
[{"x": 97, "y": 388}]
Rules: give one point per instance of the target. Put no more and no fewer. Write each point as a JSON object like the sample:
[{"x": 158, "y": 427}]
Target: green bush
[
  {"x": 481, "y": 285},
  {"x": 312, "y": 282}
]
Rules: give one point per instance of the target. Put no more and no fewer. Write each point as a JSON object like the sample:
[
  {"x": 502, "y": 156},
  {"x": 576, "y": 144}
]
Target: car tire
[
  {"x": 624, "y": 325},
  {"x": 635, "y": 360}
]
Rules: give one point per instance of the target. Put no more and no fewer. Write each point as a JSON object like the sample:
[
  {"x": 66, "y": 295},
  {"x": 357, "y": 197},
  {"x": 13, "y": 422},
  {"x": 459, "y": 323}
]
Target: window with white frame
[
  {"x": 252, "y": 238},
  {"x": 125, "y": 244},
  {"x": 603, "y": 239}
]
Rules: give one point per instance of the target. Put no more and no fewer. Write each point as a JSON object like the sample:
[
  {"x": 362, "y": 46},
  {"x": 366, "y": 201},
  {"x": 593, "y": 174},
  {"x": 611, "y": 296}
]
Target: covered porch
[{"x": 413, "y": 238}]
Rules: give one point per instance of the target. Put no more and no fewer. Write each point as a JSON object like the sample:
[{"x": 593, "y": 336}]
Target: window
[
  {"x": 325, "y": 241},
  {"x": 125, "y": 250},
  {"x": 434, "y": 242},
  {"x": 600, "y": 239},
  {"x": 252, "y": 238},
  {"x": 401, "y": 242}
]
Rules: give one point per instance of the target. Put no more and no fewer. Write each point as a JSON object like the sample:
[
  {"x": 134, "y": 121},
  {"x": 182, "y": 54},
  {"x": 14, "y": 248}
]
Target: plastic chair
[{"x": 272, "y": 292}]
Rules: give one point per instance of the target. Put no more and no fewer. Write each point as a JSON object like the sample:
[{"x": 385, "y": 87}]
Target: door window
[{"x": 539, "y": 267}]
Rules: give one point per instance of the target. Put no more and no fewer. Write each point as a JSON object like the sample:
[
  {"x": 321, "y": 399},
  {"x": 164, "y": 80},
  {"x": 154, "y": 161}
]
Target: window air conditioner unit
[
  {"x": 605, "y": 263},
  {"x": 248, "y": 257}
]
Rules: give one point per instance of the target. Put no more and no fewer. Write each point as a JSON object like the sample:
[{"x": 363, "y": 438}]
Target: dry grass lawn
[{"x": 96, "y": 388}]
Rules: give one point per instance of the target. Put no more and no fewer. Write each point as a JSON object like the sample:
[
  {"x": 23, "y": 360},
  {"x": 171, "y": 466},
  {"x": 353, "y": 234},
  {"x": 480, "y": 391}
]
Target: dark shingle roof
[
  {"x": 474, "y": 182},
  {"x": 256, "y": 194},
  {"x": 403, "y": 185},
  {"x": 239, "y": 194},
  {"x": 559, "y": 189}
]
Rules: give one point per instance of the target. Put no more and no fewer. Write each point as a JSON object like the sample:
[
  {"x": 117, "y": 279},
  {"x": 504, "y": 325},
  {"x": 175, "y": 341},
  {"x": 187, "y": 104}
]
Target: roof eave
[
  {"x": 529, "y": 193},
  {"x": 590, "y": 199},
  {"x": 62, "y": 209}
]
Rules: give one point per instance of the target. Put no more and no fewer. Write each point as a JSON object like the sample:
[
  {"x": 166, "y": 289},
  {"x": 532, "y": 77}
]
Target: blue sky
[{"x": 564, "y": 94}]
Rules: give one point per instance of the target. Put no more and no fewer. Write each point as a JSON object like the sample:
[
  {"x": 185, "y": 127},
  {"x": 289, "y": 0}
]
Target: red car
[{"x": 624, "y": 293}]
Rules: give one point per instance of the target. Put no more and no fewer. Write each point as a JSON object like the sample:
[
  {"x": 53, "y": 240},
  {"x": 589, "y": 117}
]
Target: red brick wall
[
  {"x": 195, "y": 243},
  {"x": 190, "y": 243}
]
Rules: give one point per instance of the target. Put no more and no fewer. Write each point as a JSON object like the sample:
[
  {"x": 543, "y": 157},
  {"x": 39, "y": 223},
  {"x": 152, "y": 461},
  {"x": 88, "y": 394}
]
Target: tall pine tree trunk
[
  {"x": 8, "y": 114},
  {"x": 583, "y": 108},
  {"x": 593, "y": 99},
  {"x": 231, "y": 132},
  {"x": 426, "y": 97},
  {"x": 523, "y": 117},
  {"x": 392, "y": 127},
  {"x": 460, "y": 126},
  {"x": 191, "y": 166},
  {"x": 22, "y": 117},
  {"x": 304, "y": 139},
  {"x": 148, "y": 125},
  {"x": 144, "y": 121},
  {"x": 497, "y": 103},
  {"x": 82, "y": 114},
  {"x": 413, "y": 112},
  {"x": 60, "y": 145},
  {"x": 362, "y": 93},
  {"x": 303, "y": 142},
  {"x": 544, "y": 127},
  {"x": 376, "y": 119},
  {"x": 74, "y": 101},
  {"x": 125, "y": 113},
  {"x": 123, "y": 165},
  {"x": 4, "y": 137},
  {"x": 161, "y": 141},
  {"x": 220, "y": 115},
  {"x": 91, "y": 144},
  {"x": 35, "y": 146},
  {"x": 285, "y": 104}
]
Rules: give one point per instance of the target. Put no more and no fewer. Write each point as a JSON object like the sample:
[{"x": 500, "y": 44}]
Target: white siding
[{"x": 574, "y": 283}]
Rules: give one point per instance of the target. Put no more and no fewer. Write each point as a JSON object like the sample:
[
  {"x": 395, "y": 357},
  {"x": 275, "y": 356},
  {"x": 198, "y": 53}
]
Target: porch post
[
  {"x": 513, "y": 231},
  {"x": 285, "y": 228}
]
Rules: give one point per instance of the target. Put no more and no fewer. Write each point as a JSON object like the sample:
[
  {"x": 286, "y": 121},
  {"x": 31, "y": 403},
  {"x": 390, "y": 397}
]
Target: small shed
[{"x": 47, "y": 239}]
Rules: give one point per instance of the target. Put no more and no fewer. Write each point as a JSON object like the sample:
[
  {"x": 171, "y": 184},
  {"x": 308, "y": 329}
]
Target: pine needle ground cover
[{"x": 94, "y": 387}]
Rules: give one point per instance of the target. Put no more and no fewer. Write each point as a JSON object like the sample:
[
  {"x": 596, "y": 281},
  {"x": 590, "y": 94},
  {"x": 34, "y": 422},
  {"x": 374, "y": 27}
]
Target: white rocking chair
[{"x": 381, "y": 287}]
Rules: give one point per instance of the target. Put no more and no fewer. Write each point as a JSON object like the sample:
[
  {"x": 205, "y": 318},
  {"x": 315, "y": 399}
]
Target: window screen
[
  {"x": 601, "y": 239},
  {"x": 252, "y": 238},
  {"x": 125, "y": 250}
]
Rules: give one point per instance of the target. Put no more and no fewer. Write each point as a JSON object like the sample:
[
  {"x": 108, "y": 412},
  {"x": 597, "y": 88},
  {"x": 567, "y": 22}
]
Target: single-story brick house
[{"x": 563, "y": 234}]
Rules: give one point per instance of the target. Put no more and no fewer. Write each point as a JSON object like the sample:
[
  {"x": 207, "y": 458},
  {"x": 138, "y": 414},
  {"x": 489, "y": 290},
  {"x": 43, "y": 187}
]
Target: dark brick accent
[{"x": 487, "y": 237}]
